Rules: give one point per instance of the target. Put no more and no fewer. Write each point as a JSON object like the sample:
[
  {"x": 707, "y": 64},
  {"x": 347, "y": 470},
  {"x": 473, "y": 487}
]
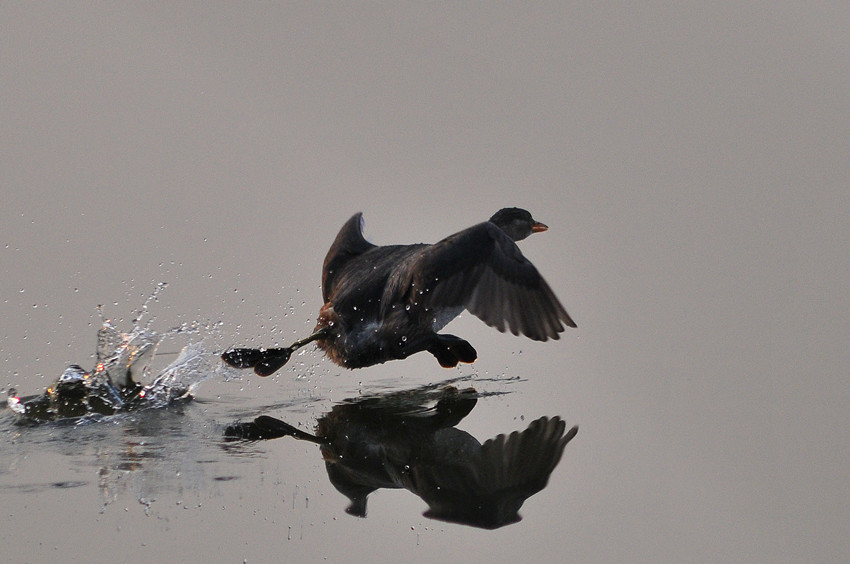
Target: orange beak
[{"x": 539, "y": 227}]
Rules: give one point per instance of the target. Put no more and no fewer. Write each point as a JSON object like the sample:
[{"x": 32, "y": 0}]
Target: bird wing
[
  {"x": 482, "y": 269},
  {"x": 488, "y": 489},
  {"x": 349, "y": 244}
]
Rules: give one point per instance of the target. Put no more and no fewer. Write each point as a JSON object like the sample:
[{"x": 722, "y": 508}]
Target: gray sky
[{"x": 692, "y": 161}]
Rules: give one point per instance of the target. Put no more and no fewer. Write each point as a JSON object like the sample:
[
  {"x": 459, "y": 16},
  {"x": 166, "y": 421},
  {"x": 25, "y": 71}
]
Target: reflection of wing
[
  {"x": 482, "y": 269},
  {"x": 488, "y": 489}
]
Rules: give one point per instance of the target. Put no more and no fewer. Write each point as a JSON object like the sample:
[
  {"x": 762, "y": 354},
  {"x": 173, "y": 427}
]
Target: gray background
[{"x": 690, "y": 159}]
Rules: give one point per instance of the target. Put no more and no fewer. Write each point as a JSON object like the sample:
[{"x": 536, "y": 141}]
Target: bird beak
[{"x": 539, "y": 227}]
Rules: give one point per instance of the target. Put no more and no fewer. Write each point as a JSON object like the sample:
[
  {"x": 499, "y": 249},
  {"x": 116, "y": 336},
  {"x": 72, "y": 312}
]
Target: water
[
  {"x": 123, "y": 362},
  {"x": 163, "y": 450},
  {"x": 131, "y": 415}
]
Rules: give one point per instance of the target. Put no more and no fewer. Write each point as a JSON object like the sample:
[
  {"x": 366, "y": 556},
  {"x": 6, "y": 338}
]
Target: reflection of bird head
[
  {"x": 357, "y": 493},
  {"x": 517, "y": 223}
]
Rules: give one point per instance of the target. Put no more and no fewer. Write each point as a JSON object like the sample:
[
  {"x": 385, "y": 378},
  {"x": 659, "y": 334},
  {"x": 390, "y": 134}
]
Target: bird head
[{"x": 517, "y": 223}]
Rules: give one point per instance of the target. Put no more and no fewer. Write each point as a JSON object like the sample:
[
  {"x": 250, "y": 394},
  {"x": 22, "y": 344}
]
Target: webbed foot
[{"x": 449, "y": 350}]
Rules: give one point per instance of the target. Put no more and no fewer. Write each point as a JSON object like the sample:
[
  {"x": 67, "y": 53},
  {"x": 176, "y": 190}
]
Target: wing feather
[
  {"x": 349, "y": 244},
  {"x": 483, "y": 270}
]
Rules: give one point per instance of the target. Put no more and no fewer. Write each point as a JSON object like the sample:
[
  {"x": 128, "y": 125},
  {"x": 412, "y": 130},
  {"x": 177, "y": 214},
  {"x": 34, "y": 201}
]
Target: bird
[
  {"x": 388, "y": 302},
  {"x": 400, "y": 440}
]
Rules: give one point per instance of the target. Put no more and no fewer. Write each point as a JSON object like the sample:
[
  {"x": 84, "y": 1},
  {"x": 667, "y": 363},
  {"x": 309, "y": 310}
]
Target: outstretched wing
[{"x": 482, "y": 269}]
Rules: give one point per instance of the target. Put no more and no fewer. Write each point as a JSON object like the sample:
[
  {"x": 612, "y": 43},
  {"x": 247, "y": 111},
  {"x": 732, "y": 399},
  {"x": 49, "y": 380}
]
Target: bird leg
[
  {"x": 266, "y": 362},
  {"x": 265, "y": 427}
]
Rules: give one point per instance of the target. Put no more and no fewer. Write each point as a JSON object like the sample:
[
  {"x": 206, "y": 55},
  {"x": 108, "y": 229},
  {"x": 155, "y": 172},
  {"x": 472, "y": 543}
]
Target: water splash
[{"x": 123, "y": 361}]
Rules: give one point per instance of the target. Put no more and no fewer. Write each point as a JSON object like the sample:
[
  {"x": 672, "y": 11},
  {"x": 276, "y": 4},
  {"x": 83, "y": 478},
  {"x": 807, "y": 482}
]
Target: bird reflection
[{"x": 395, "y": 440}]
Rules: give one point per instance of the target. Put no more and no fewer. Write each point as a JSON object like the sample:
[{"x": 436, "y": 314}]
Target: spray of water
[{"x": 127, "y": 374}]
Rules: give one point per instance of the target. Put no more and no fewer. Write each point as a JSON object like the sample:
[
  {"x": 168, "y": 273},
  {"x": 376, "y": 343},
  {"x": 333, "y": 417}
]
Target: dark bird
[
  {"x": 396, "y": 441},
  {"x": 388, "y": 302}
]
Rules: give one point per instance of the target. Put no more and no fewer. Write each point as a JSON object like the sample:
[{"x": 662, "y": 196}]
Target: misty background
[{"x": 692, "y": 163}]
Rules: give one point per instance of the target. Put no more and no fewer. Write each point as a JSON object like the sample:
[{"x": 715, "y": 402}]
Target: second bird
[{"x": 388, "y": 302}]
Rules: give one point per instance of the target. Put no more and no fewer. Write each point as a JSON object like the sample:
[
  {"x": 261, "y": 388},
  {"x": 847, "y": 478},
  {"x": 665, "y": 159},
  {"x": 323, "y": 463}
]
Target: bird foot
[{"x": 450, "y": 350}]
